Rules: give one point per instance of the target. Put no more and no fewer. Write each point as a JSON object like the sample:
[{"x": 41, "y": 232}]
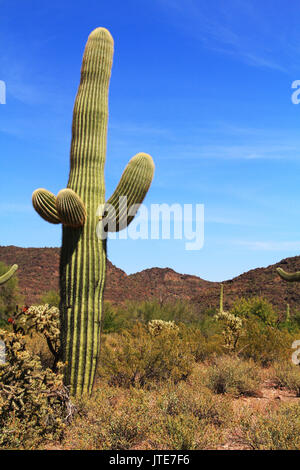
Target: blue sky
[{"x": 203, "y": 86}]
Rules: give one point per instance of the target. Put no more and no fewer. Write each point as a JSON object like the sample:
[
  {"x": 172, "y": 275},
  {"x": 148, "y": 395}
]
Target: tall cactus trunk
[{"x": 83, "y": 257}]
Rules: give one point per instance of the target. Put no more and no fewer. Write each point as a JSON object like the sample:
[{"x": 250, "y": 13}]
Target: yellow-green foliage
[
  {"x": 202, "y": 347},
  {"x": 139, "y": 358},
  {"x": 50, "y": 297},
  {"x": 277, "y": 429},
  {"x": 182, "y": 416},
  {"x": 263, "y": 343},
  {"x": 255, "y": 307},
  {"x": 234, "y": 376},
  {"x": 287, "y": 375},
  {"x": 33, "y": 400}
]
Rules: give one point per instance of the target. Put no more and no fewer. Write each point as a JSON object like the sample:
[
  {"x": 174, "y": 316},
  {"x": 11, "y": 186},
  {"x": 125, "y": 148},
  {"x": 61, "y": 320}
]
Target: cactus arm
[
  {"x": 290, "y": 277},
  {"x": 134, "y": 184},
  {"x": 6, "y": 277},
  {"x": 70, "y": 208},
  {"x": 44, "y": 203}
]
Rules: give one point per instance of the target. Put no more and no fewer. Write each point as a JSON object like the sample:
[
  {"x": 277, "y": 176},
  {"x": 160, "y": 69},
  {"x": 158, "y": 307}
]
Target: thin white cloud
[{"x": 219, "y": 26}]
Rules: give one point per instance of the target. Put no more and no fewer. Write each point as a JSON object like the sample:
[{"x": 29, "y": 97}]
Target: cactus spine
[
  {"x": 83, "y": 254},
  {"x": 6, "y": 277}
]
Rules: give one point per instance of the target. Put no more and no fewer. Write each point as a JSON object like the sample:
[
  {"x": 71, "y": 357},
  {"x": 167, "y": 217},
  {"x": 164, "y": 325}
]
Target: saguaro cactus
[
  {"x": 221, "y": 298},
  {"x": 83, "y": 254},
  {"x": 6, "y": 277}
]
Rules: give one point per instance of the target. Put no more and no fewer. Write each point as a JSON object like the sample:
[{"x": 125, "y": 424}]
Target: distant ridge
[{"x": 39, "y": 272}]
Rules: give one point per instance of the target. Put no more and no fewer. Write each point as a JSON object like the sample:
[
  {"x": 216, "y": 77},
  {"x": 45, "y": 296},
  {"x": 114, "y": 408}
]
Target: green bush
[
  {"x": 287, "y": 375},
  {"x": 138, "y": 358},
  {"x": 257, "y": 308},
  {"x": 203, "y": 405},
  {"x": 112, "y": 321},
  {"x": 50, "y": 297},
  {"x": 278, "y": 429},
  {"x": 202, "y": 345},
  {"x": 234, "y": 376},
  {"x": 264, "y": 344}
]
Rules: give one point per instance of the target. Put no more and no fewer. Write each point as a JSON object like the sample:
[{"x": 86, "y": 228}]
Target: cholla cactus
[
  {"x": 34, "y": 403},
  {"x": 156, "y": 327},
  {"x": 44, "y": 320},
  {"x": 84, "y": 214},
  {"x": 232, "y": 326}
]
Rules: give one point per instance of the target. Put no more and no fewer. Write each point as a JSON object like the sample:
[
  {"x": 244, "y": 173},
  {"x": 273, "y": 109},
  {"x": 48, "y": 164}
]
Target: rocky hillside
[{"x": 38, "y": 273}]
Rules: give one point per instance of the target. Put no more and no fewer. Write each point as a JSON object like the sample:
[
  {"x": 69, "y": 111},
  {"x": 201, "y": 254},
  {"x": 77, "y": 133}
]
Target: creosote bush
[
  {"x": 168, "y": 416},
  {"x": 277, "y": 429},
  {"x": 138, "y": 357},
  {"x": 264, "y": 344},
  {"x": 287, "y": 375},
  {"x": 229, "y": 374}
]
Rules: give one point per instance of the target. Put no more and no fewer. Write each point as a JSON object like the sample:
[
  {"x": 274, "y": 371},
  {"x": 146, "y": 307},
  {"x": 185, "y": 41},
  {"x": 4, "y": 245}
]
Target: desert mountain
[{"x": 39, "y": 270}]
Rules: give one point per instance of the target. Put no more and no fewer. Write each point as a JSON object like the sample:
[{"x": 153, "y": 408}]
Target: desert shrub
[
  {"x": 138, "y": 358},
  {"x": 293, "y": 323},
  {"x": 277, "y": 429},
  {"x": 33, "y": 401},
  {"x": 112, "y": 419},
  {"x": 202, "y": 404},
  {"x": 50, "y": 297},
  {"x": 264, "y": 344},
  {"x": 112, "y": 321},
  {"x": 143, "y": 312},
  {"x": 257, "y": 308},
  {"x": 182, "y": 432},
  {"x": 232, "y": 375},
  {"x": 287, "y": 375},
  {"x": 124, "y": 419},
  {"x": 202, "y": 346}
]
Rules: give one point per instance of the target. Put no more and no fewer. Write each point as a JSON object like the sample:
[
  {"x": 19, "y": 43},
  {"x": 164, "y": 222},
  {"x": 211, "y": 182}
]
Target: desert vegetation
[{"x": 168, "y": 378}]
